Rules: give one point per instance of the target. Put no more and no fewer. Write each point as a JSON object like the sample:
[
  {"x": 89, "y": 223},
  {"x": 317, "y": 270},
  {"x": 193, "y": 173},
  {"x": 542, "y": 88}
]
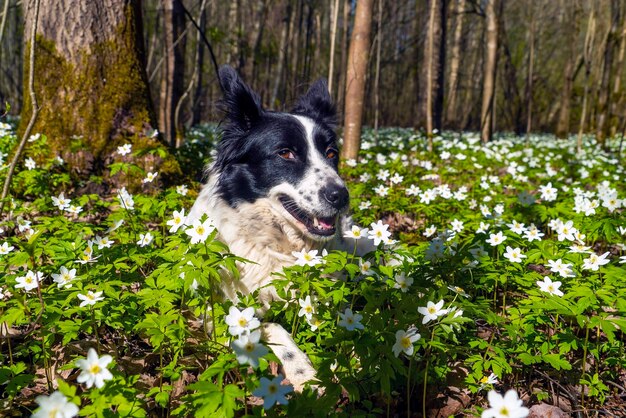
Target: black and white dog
[{"x": 273, "y": 189}]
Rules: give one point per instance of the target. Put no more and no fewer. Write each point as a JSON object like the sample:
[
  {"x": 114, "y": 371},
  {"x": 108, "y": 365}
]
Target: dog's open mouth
[{"x": 323, "y": 226}]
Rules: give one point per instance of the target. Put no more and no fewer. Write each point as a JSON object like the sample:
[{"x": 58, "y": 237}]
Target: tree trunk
[
  {"x": 514, "y": 105},
  {"x": 333, "y": 36},
  {"x": 529, "y": 73},
  {"x": 198, "y": 104},
  {"x": 616, "y": 100},
  {"x": 355, "y": 78},
  {"x": 455, "y": 63},
  {"x": 91, "y": 84},
  {"x": 234, "y": 31},
  {"x": 431, "y": 86},
  {"x": 341, "y": 87},
  {"x": 282, "y": 46},
  {"x": 173, "y": 69},
  {"x": 607, "y": 70},
  {"x": 572, "y": 66},
  {"x": 489, "y": 73},
  {"x": 379, "y": 41},
  {"x": 587, "y": 52}
]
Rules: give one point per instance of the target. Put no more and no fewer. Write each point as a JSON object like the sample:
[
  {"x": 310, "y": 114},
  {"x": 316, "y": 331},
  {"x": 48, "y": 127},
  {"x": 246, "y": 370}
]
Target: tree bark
[
  {"x": 514, "y": 108},
  {"x": 173, "y": 69},
  {"x": 91, "y": 84},
  {"x": 573, "y": 62},
  {"x": 355, "y": 78},
  {"x": 607, "y": 71},
  {"x": 529, "y": 73},
  {"x": 234, "y": 29},
  {"x": 616, "y": 99},
  {"x": 333, "y": 36},
  {"x": 341, "y": 87},
  {"x": 489, "y": 73},
  {"x": 455, "y": 63},
  {"x": 282, "y": 47},
  {"x": 587, "y": 57},
  {"x": 379, "y": 41},
  {"x": 198, "y": 103},
  {"x": 431, "y": 86}
]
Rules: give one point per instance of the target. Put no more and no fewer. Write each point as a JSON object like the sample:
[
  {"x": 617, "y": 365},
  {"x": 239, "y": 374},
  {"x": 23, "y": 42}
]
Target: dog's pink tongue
[{"x": 325, "y": 223}]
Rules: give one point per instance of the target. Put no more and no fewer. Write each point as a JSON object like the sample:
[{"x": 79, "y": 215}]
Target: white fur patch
[{"x": 318, "y": 174}]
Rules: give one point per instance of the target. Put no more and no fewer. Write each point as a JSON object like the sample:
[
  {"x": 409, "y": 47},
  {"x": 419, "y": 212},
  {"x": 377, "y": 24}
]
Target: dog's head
[{"x": 290, "y": 159}]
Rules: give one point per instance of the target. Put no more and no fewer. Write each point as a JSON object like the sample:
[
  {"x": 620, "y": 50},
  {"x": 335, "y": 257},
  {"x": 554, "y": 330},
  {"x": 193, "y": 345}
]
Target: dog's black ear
[
  {"x": 241, "y": 104},
  {"x": 317, "y": 104}
]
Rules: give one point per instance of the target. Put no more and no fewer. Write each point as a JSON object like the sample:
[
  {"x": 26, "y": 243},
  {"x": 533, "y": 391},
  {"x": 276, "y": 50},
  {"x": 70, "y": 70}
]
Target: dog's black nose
[{"x": 336, "y": 195}]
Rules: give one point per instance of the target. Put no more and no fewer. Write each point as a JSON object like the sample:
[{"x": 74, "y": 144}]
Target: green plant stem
[
  {"x": 582, "y": 391},
  {"x": 425, "y": 386},
  {"x": 408, "y": 388},
  {"x": 9, "y": 344},
  {"x": 95, "y": 328}
]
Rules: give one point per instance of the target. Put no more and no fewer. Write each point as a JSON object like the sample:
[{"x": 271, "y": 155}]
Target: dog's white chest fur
[{"x": 254, "y": 232}]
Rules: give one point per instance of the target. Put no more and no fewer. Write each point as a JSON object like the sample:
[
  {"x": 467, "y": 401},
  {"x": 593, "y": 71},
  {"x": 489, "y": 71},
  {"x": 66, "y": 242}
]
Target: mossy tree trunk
[{"x": 91, "y": 84}]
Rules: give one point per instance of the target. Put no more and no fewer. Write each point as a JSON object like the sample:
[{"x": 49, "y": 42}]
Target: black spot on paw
[
  {"x": 288, "y": 356},
  {"x": 299, "y": 371}
]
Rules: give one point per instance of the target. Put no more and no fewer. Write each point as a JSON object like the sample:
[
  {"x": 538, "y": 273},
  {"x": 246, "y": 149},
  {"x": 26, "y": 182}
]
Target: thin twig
[
  {"x": 5, "y": 12},
  {"x": 33, "y": 116}
]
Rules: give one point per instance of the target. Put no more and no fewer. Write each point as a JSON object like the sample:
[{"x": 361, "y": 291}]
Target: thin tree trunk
[
  {"x": 282, "y": 46},
  {"x": 616, "y": 99},
  {"x": 254, "y": 39},
  {"x": 235, "y": 33},
  {"x": 572, "y": 66},
  {"x": 199, "y": 99},
  {"x": 333, "y": 36},
  {"x": 489, "y": 74},
  {"x": 295, "y": 45},
  {"x": 355, "y": 78},
  {"x": 431, "y": 102},
  {"x": 341, "y": 88},
  {"x": 33, "y": 101},
  {"x": 514, "y": 102},
  {"x": 607, "y": 70},
  {"x": 529, "y": 74},
  {"x": 5, "y": 12},
  {"x": 587, "y": 51},
  {"x": 455, "y": 63},
  {"x": 379, "y": 37},
  {"x": 173, "y": 70},
  {"x": 194, "y": 78}
]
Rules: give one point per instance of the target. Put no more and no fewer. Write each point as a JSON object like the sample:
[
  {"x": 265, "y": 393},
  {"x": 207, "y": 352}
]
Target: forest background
[{"x": 557, "y": 68}]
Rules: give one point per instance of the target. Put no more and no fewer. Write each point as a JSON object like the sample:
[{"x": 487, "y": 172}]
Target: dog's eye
[
  {"x": 331, "y": 153},
  {"x": 286, "y": 154}
]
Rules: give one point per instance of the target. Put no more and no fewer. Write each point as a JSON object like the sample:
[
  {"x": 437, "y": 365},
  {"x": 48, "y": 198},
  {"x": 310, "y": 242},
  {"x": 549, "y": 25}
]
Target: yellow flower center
[
  {"x": 272, "y": 389},
  {"x": 504, "y": 411},
  {"x": 249, "y": 347},
  {"x": 405, "y": 342},
  {"x": 95, "y": 369},
  {"x": 200, "y": 230},
  {"x": 432, "y": 310},
  {"x": 28, "y": 280},
  {"x": 243, "y": 322},
  {"x": 308, "y": 309}
]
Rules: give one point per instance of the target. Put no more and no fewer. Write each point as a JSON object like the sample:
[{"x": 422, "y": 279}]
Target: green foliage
[{"x": 159, "y": 314}]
